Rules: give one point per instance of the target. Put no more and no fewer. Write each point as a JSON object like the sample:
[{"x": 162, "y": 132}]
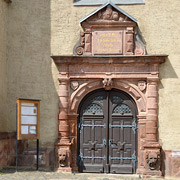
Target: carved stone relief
[
  {"x": 62, "y": 157},
  {"x": 108, "y": 20},
  {"x": 109, "y": 14},
  {"x": 74, "y": 85},
  {"x": 142, "y": 85},
  {"x": 153, "y": 160},
  {"x": 107, "y": 83}
]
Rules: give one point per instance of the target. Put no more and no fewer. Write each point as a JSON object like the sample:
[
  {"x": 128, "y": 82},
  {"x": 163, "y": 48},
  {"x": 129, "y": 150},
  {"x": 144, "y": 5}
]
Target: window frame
[{"x": 100, "y": 2}]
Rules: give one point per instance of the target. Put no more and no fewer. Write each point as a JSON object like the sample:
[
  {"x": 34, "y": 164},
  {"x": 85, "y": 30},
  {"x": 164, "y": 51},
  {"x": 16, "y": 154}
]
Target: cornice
[{"x": 126, "y": 59}]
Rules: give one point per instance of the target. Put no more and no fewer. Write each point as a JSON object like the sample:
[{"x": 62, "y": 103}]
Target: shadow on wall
[
  {"x": 168, "y": 167},
  {"x": 166, "y": 72},
  {"x": 30, "y": 68},
  {"x": 139, "y": 38}
]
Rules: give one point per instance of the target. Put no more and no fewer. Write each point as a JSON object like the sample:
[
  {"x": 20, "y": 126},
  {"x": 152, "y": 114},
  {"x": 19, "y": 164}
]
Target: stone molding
[{"x": 123, "y": 85}]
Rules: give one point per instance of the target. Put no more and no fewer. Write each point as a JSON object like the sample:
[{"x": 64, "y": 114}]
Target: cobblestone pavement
[{"x": 11, "y": 174}]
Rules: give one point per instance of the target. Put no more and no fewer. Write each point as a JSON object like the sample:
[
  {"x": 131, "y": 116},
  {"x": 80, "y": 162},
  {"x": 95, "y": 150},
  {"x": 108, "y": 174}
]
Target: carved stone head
[
  {"x": 62, "y": 156},
  {"x": 153, "y": 160}
]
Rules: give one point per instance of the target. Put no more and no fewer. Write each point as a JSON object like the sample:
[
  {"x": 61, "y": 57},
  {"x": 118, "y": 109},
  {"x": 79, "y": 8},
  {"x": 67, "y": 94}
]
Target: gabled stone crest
[{"x": 109, "y": 31}]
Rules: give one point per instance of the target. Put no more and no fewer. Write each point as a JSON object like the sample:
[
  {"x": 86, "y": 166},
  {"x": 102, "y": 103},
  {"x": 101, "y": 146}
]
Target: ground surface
[{"x": 24, "y": 174}]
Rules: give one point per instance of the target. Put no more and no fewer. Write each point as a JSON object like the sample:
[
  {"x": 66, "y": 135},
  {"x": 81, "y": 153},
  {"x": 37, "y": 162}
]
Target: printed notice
[
  {"x": 28, "y": 119},
  {"x": 24, "y": 130},
  {"x": 28, "y": 110}
]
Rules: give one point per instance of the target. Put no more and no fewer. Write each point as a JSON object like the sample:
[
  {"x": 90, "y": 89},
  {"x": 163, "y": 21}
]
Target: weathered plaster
[
  {"x": 30, "y": 70},
  {"x": 3, "y": 65}
]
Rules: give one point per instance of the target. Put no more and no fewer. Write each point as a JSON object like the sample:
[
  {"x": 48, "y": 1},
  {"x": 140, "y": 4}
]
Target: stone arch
[{"x": 123, "y": 85}]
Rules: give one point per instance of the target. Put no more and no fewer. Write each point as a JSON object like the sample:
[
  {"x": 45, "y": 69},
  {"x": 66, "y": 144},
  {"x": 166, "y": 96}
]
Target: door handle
[{"x": 111, "y": 142}]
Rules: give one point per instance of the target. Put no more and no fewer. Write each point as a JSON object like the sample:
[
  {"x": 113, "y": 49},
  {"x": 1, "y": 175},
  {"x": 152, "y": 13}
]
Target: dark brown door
[{"x": 107, "y": 133}]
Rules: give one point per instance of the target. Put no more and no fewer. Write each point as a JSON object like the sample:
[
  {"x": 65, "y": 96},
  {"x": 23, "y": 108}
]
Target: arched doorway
[{"x": 107, "y": 132}]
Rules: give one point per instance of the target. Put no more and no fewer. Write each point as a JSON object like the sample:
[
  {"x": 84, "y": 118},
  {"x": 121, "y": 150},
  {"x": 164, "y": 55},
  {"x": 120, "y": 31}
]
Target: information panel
[{"x": 28, "y": 119}]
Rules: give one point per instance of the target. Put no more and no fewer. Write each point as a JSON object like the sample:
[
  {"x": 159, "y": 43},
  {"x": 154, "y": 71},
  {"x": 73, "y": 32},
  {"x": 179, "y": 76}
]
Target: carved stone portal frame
[{"x": 136, "y": 75}]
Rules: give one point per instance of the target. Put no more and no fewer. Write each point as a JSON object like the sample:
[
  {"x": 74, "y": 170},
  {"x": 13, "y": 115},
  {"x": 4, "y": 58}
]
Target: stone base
[
  {"x": 8, "y": 148},
  {"x": 171, "y": 163},
  {"x": 64, "y": 169},
  {"x": 63, "y": 155},
  {"x": 29, "y": 158}
]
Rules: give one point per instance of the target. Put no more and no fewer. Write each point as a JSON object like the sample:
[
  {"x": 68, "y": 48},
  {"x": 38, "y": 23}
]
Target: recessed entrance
[{"x": 107, "y": 133}]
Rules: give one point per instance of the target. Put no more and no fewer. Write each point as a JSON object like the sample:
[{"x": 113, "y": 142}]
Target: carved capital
[
  {"x": 63, "y": 81},
  {"x": 152, "y": 80}
]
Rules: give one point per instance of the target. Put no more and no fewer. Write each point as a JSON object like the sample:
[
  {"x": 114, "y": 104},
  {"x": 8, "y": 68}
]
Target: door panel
[{"x": 107, "y": 133}]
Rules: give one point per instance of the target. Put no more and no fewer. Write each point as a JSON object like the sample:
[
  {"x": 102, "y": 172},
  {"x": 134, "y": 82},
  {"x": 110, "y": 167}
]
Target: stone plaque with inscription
[{"x": 107, "y": 42}]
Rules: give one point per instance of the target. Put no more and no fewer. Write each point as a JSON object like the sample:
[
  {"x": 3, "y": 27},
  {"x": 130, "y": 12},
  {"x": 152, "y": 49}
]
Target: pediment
[
  {"x": 109, "y": 31},
  {"x": 108, "y": 14}
]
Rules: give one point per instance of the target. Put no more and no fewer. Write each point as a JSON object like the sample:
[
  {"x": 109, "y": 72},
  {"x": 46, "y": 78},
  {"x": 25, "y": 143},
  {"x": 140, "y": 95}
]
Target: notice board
[{"x": 28, "y": 119}]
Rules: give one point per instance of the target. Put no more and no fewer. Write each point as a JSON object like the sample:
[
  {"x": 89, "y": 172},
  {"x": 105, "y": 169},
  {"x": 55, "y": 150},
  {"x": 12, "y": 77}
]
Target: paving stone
[{"x": 26, "y": 174}]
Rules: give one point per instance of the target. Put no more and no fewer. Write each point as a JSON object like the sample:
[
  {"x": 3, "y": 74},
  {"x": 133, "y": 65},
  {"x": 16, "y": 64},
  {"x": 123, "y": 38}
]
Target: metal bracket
[
  {"x": 104, "y": 142},
  {"x": 133, "y": 158},
  {"x": 81, "y": 125},
  {"x": 91, "y": 157},
  {"x": 134, "y": 126}
]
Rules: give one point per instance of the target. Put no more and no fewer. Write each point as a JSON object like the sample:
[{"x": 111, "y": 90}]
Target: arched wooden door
[{"x": 107, "y": 133}]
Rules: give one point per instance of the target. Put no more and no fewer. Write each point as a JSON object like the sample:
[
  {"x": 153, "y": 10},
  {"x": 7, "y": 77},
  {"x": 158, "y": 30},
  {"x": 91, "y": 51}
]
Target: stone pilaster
[
  {"x": 141, "y": 142},
  {"x": 152, "y": 148},
  {"x": 152, "y": 108},
  {"x": 63, "y": 145},
  {"x": 63, "y": 110}
]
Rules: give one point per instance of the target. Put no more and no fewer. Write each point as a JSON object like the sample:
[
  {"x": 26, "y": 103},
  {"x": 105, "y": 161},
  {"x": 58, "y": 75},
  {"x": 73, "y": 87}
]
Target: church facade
[{"x": 107, "y": 78}]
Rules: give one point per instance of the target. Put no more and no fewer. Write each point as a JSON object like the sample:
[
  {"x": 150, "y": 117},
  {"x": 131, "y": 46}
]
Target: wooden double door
[{"x": 107, "y": 133}]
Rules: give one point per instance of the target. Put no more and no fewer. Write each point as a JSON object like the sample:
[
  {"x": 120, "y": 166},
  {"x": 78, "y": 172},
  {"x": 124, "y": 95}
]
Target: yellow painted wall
[
  {"x": 37, "y": 29},
  {"x": 30, "y": 68},
  {"x": 3, "y": 60}
]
